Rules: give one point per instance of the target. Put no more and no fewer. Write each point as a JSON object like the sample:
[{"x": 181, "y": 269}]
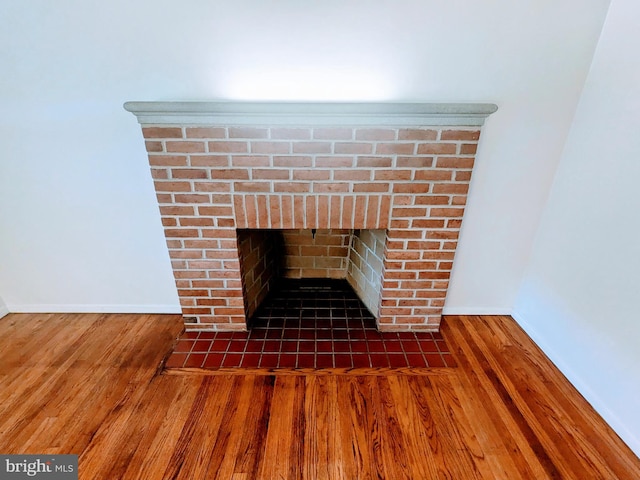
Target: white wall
[
  {"x": 81, "y": 228},
  {"x": 579, "y": 297}
]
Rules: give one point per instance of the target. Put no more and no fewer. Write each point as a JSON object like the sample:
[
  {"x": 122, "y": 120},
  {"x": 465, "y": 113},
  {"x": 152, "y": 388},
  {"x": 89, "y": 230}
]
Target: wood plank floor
[{"x": 91, "y": 385}]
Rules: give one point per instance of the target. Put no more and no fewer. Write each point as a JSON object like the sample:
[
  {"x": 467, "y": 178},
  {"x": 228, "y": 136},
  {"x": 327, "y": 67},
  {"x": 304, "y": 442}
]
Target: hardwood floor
[{"x": 91, "y": 385}]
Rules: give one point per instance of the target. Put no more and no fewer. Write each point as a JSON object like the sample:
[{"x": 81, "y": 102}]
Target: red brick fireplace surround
[{"x": 373, "y": 193}]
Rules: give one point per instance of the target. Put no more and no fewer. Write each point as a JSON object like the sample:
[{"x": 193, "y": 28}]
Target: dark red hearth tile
[
  {"x": 379, "y": 360},
  {"x": 361, "y": 361},
  {"x": 306, "y": 360},
  {"x": 195, "y": 360},
  {"x": 232, "y": 360},
  {"x": 201, "y": 346},
  {"x": 269, "y": 360},
  {"x": 213, "y": 360},
  {"x": 397, "y": 360},
  {"x": 434, "y": 360},
  {"x": 250, "y": 360},
  {"x": 311, "y": 328},
  {"x": 324, "y": 361},
  {"x": 343, "y": 360},
  {"x": 184, "y": 346},
  {"x": 254, "y": 346},
  {"x": 288, "y": 360},
  {"x": 176, "y": 360},
  {"x": 375, "y": 346},
  {"x": 416, "y": 360}
]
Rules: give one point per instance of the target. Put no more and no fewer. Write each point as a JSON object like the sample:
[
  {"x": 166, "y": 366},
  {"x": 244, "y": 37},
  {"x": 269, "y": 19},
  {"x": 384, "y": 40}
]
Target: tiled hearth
[
  {"x": 386, "y": 184},
  {"x": 311, "y": 324}
]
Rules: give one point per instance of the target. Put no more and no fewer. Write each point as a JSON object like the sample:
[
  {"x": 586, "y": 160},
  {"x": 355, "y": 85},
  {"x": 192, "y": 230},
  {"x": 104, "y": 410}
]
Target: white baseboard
[
  {"x": 576, "y": 380},
  {"x": 92, "y": 308},
  {"x": 475, "y": 311},
  {"x": 4, "y": 311}
]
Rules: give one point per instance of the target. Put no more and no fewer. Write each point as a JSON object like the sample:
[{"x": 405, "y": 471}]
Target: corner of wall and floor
[{"x": 578, "y": 296}]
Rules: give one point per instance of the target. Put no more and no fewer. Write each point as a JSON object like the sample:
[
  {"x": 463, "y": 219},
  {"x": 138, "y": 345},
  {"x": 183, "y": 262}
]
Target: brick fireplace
[{"x": 373, "y": 193}]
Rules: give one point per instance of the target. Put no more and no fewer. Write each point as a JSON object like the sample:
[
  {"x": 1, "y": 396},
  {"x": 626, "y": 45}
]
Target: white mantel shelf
[{"x": 348, "y": 114}]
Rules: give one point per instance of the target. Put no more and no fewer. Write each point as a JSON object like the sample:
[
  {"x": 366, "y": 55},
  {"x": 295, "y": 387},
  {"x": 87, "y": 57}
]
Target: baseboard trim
[
  {"x": 75, "y": 308},
  {"x": 4, "y": 311},
  {"x": 475, "y": 311},
  {"x": 576, "y": 380}
]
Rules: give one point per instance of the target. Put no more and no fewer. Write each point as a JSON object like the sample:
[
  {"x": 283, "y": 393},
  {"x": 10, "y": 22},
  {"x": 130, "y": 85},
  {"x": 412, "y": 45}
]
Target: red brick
[
  {"x": 172, "y": 186},
  {"x": 292, "y": 161},
  {"x": 248, "y": 132},
  {"x": 228, "y": 147},
  {"x": 426, "y": 223},
  {"x": 334, "y": 162},
  {"x": 353, "y": 148},
  {"x": 414, "y": 162},
  {"x": 415, "y": 188},
  {"x": 357, "y": 175},
  {"x": 252, "y": 186},
  {"x": 409, "y": 212},
  {"x": 206, "y": 132},
  {"x": 291, "y": 187},
  {"x": 417, "y": 134},
  {"x": 209, "y": 160},
  {"x": 186, "y": 254},
  {"x": 153, "y": 147},
  {"x": 311, "y": 147},
  {"x": 462, "y": 176},
  {"x": 270, "y": 147},
  {"x": 451, "y": 188},
  {"x": 447, "y": 212},
  {"x": 374, "y": 162},
  {"x": 160, "y": 173},
  {"x": 250, "y": 160},
  {"x": 169, "y": 222},
  {"x": 212, "y": 187},
  {"x": 193, "y": 198},
  {"x": 162, "y": 132},
  {"x": 311, "y": 174},
  {"x": 196, "y": 222},
  {"x": 177, "y": 210},
  {"x": 270, "y": 174},
  {"x": 392, "y": 175},
  {"x": 395, "y": 148},
  {"x": 181, "y": 232},
  {"x": 185, "y": 147},
  {"x": 168, "y": 160},
  {"x": 189, "y": 173},
  {"x": 468, "y": 149},
  {"x": 230, "y": 174},
  {"x": 432, "y": 200},
  {"x": 333, "y": 187},
  {"x": 434, "y": 175},
  {"x": 460, "y": 135},
  {"x": 436, "y": 148},
  {"x": 455, "y": 162},
  {"x": 371, "y": 187}
]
